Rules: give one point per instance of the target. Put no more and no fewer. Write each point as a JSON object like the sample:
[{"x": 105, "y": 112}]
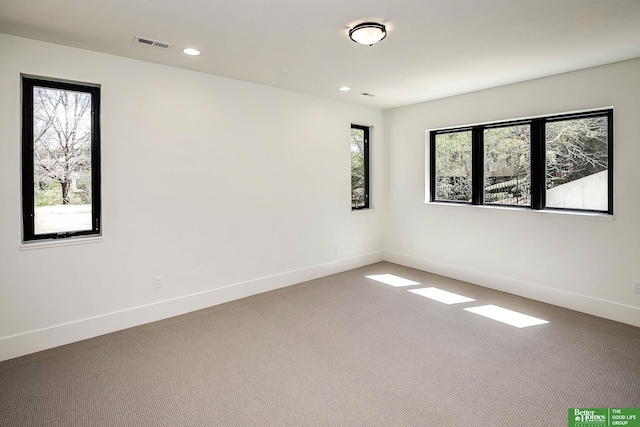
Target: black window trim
[
  {"x": 28, "y": 208},
  {"x": 365, "y": 129},
  {"x": 538, "y": 159}
]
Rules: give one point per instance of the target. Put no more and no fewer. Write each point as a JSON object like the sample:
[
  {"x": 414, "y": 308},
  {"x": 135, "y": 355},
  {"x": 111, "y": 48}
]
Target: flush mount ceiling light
[{"x": 368, "y": 33}]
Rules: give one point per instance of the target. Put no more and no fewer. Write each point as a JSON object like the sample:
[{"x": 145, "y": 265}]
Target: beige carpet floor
[{"x": 343, "y": 350}]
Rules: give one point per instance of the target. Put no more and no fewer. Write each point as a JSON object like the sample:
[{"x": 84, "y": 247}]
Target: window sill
[
  {"x": 359, "y": 211},
  {"x": 71, "y": 241},
  {"x": 595, "y": 216}
]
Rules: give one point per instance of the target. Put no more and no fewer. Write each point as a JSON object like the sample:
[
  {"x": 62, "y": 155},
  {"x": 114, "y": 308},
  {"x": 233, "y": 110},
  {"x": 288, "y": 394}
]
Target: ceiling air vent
[{"x": 151, "y": 42}]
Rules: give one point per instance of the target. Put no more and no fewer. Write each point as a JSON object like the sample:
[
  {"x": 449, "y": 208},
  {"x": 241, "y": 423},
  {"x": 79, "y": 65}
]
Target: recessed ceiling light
[
  {"x": 191, "y": 51},
  {"x": 345, "y": 88}
]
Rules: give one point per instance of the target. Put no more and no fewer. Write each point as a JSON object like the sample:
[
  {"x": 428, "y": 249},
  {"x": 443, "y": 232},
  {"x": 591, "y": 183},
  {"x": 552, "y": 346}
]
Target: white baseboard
[
  {"x": 57, "y": 335},
  {"x": 582, "y": 303}
]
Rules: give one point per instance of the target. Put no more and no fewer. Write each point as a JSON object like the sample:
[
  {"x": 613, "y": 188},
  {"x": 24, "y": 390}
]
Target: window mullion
[
  {"x": 477, "y": 168},
  {"x": 538, "y": 164},
  {"x": 366, "y": 167},
  {"x": 610, "y": 162},
  {"x": 27, "y": 161},
  {"x": 432, "y": 166}
]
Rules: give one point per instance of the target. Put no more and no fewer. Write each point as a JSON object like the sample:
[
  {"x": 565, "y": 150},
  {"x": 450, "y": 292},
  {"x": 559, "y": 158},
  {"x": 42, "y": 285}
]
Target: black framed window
[
  {"x": 359, "y": 167},
  {"x": 60, "y": 159},
  {"x": 453, "y": 165},
  {"x": 561, "y": 162}
]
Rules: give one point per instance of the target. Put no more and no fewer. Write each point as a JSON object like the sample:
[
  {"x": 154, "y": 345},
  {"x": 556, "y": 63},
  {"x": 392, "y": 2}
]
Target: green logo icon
[{"x": 604, "y": 417}]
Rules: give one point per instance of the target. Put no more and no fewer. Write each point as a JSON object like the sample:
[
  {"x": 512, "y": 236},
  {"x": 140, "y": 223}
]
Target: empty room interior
[{"x": 421, "y": 213}]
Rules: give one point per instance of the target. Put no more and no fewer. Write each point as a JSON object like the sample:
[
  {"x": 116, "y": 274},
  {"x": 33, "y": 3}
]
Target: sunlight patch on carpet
[
  {"x": 504, "y": 315},
  {"x": 440, "y": 295},
  {"x": 391, "y": 280}
]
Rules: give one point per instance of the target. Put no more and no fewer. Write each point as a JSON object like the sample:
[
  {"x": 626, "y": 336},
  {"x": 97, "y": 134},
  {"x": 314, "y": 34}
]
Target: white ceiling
[{"x": 434, "y": 48}]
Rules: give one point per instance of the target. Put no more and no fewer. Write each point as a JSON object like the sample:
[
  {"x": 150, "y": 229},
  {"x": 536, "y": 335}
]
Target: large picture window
[
  {"x": 60, "y": 159},
  {"x": 359, "y": 167},
  {"x": 554, "y": 162}
]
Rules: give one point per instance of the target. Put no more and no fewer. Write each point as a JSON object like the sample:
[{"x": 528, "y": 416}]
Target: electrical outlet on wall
[
  {"x": 636, "y": 286},
  {"x": 157, "y": 282}
]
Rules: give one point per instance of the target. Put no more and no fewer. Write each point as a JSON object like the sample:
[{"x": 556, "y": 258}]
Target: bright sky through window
[
  {"x": 391, "y": 280},
  {"x": 504, "y": 315},
  {"x": 440, "y": 295}
]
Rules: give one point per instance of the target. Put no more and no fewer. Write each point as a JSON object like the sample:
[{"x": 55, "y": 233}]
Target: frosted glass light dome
[{"x": 368, "y": 33}]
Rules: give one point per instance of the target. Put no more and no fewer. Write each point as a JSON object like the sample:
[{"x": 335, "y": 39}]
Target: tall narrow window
[
  {"x": 359, "y": 167},
  {"x": 60, "y": 159}
]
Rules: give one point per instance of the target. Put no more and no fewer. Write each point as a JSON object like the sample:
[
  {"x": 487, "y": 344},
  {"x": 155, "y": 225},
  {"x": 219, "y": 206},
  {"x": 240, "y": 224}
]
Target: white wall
[
  {"x": 568, "y": 260},
  {"x": 224, "y": 188}
]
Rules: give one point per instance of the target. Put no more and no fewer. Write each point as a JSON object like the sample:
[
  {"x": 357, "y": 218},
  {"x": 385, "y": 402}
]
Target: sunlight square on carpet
[
  {"x": 441, "y": 295},
  {"x": 504, "y": 315},
  {"x": 391, "y": 280}
]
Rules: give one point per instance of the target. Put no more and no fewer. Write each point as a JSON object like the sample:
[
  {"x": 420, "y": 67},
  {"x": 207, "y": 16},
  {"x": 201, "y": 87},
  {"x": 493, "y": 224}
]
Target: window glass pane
[
  {"x": 577, "y": 164},
  {"x": 453, "y": 166},
  {"x": 507, "y": 165},
  {"x": 358, "y": 172},
  {"x": 61, "y": 160}
]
